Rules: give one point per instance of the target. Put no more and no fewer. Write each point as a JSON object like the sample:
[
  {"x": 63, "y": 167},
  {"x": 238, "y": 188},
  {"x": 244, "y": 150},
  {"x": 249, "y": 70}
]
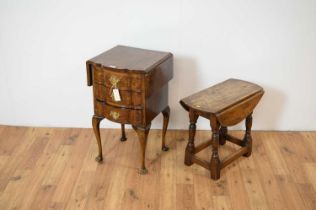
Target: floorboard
[{"x": 54, "y": 168}]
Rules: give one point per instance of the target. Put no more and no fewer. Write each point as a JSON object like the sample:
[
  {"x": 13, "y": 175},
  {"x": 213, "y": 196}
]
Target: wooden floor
[{"x": 49, "y": 168}]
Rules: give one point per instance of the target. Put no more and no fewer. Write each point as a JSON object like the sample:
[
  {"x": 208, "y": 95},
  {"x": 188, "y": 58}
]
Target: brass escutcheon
[
  {"x": 114, "y": 80},
  {"x": 115, "y": 115}
]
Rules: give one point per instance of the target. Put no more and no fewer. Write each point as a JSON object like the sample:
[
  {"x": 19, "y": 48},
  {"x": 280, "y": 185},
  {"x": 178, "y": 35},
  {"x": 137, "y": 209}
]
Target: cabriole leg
[
  {"x": 123, "y": 137},
  {"x": 166, "y": 114},
  {"x": 96, "y": 128},
  {"x": 142, "y": 133}
]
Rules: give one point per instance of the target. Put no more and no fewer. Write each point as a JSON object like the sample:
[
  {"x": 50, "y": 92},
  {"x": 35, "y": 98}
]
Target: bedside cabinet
[{"x": 130, "y": 86}]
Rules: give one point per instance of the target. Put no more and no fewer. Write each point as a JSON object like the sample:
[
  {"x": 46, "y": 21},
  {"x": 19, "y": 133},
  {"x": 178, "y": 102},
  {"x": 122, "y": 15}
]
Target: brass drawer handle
[
  {"x": 114, "y": 80},
  {"x": 115, "y": 115}
]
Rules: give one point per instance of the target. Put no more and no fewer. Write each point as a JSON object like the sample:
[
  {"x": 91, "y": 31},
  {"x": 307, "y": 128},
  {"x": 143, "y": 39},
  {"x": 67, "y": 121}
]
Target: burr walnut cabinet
[{"x": 130, "y": 86}]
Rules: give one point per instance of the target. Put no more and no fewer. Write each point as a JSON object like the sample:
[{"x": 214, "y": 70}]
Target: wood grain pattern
[
  {"x": 224, "y": 104},
  {"x": 124, "y": 57},
  {"x": 53, "y": 168},
  {"x": 221, "y": 96},
  {"x": 140, "y": 78}
]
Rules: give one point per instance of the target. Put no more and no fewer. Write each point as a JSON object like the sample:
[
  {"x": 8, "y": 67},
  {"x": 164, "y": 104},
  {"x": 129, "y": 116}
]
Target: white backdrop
[{"x": 44, "y": 46}]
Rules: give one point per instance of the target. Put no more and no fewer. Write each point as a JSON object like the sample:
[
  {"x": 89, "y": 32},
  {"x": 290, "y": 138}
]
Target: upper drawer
[{"x": 121, "y": 80}]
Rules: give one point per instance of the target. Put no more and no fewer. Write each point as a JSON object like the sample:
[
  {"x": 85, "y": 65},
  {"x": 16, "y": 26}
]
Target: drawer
[
  {"x": 99, "y": 92},
  {"x": 123, "y": 80},
  {"x": 129, "y": 99},
  {"x": 121, "y": 115}
]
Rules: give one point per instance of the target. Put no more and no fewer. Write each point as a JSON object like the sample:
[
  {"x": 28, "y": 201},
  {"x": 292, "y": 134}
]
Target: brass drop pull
[
  {"x": 114, "y": 92},
  {"x": 114, "y": 115},
  {"x": 114, "y": 80}
]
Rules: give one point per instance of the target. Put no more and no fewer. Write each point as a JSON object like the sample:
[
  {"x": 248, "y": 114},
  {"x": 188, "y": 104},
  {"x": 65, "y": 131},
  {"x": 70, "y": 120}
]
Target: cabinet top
[{"x": 130, "y": 58}]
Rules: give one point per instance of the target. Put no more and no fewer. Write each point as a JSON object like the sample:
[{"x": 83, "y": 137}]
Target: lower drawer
[{"x": 120, "y": 115}]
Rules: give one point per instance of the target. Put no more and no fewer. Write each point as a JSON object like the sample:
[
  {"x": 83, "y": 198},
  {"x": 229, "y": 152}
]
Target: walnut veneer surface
[{"x": 141, "y": 78}]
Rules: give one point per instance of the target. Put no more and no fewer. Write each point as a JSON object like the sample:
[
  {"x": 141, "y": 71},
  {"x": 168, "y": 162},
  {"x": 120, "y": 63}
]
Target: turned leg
[
  {"x": 190, "y": 149},
  {"x": 247, "y": 141},
  {"x": 215, "y": 162},
  {"x": 123, "y": 137},
  {"x": 166, "y": 114},
  {"x": 96, "y": 128},
  {"x": 222, "y": 135},
  {"x": 142, "y": 133}
]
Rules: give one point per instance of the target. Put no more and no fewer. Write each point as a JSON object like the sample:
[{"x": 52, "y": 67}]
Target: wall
[{"x": 44, "y": 46}]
